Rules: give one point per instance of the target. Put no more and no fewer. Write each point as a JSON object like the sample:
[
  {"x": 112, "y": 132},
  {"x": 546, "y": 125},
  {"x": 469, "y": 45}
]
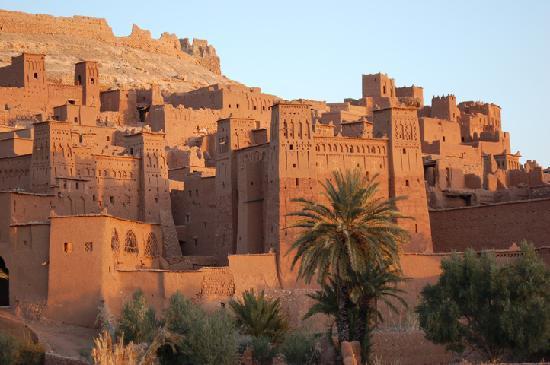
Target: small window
[
  {"x": 109, "y": 139},
  {"x": 112, "y": 199},
  {"x": 443, "y": 138},
  {"x": 404, "y": 151},
  {"x": 68, "y": 247},
  {"x": 76, "y": 119},
  {"x": 297, "y": 182},
  {"x": 76, "y": 186},
  {"x": 416, "y": 228},
  {"x": 187, "y": 218},
  {"x": 406, "y": 182},
  {"x": 88, "y": 246},
  {"x": 36, "y": 75},
  {"x": 293, "y": 165},
  {"x": 92, "y": 81},
  {"x": 196, "y": 241},
  {"x": 291, "y": 147}
]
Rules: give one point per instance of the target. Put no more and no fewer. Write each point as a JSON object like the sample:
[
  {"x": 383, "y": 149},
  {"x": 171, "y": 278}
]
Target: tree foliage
[
  {"x": 300, "y": 349},
  {"x": 259, "y": 316},
  {"x": 354, "y": 231},
  {"x": 138, "y": 321},
  {"x": 499, "y": 310},
  {"x": 208, "y": 339}
]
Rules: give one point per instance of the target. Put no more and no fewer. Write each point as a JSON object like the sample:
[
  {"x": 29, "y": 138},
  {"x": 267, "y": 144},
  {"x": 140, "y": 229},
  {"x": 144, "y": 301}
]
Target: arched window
[
  {"x": 130, "y": 245},
  {"x": 151, "y": 246},
  {"x": 115, "y": 243}
]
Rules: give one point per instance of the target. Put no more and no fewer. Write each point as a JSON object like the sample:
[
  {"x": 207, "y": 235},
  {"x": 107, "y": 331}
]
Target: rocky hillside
[{"x": 134, "y": 61}]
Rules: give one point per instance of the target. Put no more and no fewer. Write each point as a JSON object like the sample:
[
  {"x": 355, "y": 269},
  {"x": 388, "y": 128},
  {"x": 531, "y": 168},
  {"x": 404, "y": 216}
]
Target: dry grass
[{"x": 107, "y": 352}]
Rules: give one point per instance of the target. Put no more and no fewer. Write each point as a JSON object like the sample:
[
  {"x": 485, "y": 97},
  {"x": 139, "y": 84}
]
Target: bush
[
  {"x": 138, "y": 322},
  {"x": 501, "y": 311},
  {"x": 30, "y": 354},
  {"x": 181, "y": 313},
  {"x": 8, "y": 350},
  {"x": 13, "y": 352},
  {"x": 206, "y": 339},
  {"x": 299, "y": 348},
  {"x": 259, "y": 316},
  {"x": 263, "y": 351}
]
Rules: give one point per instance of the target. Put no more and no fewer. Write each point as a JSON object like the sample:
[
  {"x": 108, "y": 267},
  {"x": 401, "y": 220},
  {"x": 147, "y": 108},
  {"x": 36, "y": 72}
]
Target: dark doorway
[{"x": 4, "y": 284}]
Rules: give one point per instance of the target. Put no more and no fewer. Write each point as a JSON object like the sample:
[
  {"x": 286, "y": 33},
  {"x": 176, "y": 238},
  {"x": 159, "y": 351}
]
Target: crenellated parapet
[{"x": 203, "y": 52}]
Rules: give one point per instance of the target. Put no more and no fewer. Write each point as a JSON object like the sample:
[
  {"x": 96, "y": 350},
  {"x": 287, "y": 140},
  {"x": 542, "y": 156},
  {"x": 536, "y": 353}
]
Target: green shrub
[
  {"x": 30, "y": 354},
  {"x": 206, "y": 339},
  {"x": 138, "y": 322},
  {"x": 299, "y": 348},
  {"x": 8, "y": 350},
  {"x": 181, "y": 313},
  {"x": 499, "y": 310},
  {"x": 259, "y": 316},
  {"x": 263, "y": 350},
  {"x": 14, "y": 352}
]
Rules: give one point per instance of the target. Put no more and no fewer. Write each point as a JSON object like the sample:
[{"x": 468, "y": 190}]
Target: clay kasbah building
[{"x": 106, "y": 188}]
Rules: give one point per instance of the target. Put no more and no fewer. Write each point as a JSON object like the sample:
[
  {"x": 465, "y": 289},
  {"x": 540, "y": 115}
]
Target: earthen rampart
[
  {"x": 495, "y": 226},
  {"x": 98, "y": 29}
]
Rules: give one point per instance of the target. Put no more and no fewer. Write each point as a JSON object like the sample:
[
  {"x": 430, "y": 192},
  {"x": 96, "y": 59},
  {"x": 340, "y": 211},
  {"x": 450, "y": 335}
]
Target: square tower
[
  {"x": 444, "y": 107},
  {"x": 232, "y": 134},
  {"x": 406, "y": 172},
  {"x": 86, "y": 74},
  {"x": 26, "y": 70},
  {"x": 378, "y": 85}
]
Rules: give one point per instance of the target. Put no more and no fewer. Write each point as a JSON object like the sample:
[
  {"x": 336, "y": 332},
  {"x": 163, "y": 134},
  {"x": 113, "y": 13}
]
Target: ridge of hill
[{"x": 137, "y": 60}]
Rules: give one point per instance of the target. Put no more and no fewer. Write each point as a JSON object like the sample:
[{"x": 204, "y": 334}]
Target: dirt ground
[
  {"x": 59, "y": 338},
  {"x": 409, "y": 347}
]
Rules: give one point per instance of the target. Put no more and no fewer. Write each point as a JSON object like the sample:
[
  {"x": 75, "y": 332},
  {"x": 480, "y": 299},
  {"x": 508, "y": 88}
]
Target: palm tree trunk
[
  {"x": 342, "y": 318},
  {"x": 364, "y": 326}
]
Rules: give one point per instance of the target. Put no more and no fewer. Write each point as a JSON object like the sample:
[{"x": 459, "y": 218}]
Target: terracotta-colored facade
[{"x": 104, "y": 191}]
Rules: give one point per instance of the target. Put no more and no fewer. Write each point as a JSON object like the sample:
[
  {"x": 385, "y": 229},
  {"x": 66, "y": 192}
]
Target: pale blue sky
[{"x": 497, "y": 51}]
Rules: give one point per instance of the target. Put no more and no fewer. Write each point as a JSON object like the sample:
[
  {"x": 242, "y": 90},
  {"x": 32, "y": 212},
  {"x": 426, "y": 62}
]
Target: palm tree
[
  {"x": 357, "y": 229},
  {"x": 259, "y": 316},
  {"x": 377, "y": 284}
]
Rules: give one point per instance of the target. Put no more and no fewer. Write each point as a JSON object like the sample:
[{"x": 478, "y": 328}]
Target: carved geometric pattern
[
  {"x": 151, "y": 246},
  {"x": 130, "y": 244},
  {"x": 115, "y": 243}
]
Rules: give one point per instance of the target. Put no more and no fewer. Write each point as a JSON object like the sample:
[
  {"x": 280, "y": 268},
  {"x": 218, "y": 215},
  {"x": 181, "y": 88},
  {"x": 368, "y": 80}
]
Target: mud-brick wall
[{"x": 493, "y": 226}]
